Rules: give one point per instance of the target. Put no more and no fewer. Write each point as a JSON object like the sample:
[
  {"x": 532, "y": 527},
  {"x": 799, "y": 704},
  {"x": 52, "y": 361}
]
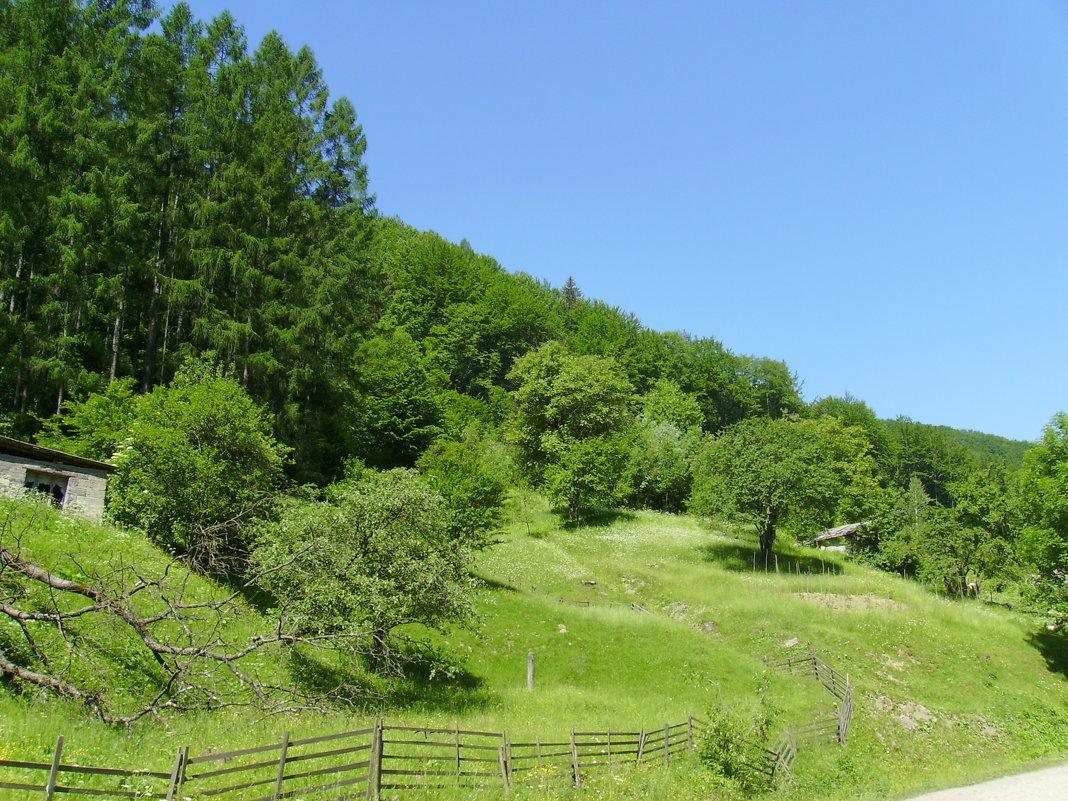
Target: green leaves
[
  {"x": 377, "y": 554},
  {"x": 570, "y": 412},
  {"x": 1044, "y": 494},
  {"x": 199, "y": 464},
  {"x": 784, "y": 471}
]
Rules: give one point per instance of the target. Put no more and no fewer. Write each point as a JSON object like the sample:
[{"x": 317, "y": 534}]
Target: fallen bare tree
[{"x": 129, "y": 644}]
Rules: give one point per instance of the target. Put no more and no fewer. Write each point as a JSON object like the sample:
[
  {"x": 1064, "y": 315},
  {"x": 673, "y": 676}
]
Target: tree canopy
[{"x": 785, "y": 471}]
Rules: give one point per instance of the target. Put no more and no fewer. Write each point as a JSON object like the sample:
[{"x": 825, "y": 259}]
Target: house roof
[
  {"x": 837, "y": 532},
  {"x": 19, "y": 448}
]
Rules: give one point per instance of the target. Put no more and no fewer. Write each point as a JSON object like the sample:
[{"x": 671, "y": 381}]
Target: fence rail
[
  {"x": 831, "y": 729},
  {"x": 365, "y": 762}
]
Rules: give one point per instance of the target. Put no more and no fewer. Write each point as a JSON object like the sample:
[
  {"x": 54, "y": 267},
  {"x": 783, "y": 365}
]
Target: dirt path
[{"x": 1050, "y": 784}]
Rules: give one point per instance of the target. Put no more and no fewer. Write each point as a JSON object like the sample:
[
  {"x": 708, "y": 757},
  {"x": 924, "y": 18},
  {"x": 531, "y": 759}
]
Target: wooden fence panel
[
  {"x": 422, "y": 758},
  {"x": 824, "y": 730},
  {"x": 305, "y": 767},
  {"x": 362, "y": 763},
  {"x": 49, "y": 779}
]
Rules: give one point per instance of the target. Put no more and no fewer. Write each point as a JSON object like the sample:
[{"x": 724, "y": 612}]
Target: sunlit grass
[{"x": 946, "y": 690}]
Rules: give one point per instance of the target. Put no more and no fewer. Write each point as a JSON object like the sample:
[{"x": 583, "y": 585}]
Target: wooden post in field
[
  {"x": 574, "y": 759},
  {"x": 530, "y": 670},
  {"x": 174, "y": 789},
  {"x": 50, "y": 790},
  {"x": 281, "y": 768},
  {"x": 667, "y": 745},
  {"x": 374, "y": 771},
  {"x": 641, "y": 746},
  {"x": 689, "y": 732},
  {"x": 507, "y": 757},
  {"x": 504, "y": 759},
  {"x": 456, "y": 728}
]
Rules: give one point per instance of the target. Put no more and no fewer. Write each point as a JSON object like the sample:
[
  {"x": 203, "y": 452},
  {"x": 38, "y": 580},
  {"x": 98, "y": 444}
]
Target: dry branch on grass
[{"x": 180, "y": 649}]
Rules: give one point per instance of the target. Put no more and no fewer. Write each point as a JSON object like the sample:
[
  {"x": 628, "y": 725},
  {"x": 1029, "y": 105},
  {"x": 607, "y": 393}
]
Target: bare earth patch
[
  {"x": 853, "y": 602},
  {"x": 909, "y": 714}
]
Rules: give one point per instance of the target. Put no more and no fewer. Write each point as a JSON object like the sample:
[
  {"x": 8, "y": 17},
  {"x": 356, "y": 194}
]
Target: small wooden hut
[{"x": 840, "y": 538}]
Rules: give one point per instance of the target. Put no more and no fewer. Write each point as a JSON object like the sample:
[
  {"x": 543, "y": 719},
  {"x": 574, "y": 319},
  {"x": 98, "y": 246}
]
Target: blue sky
[{"x": 876, "y": 193}]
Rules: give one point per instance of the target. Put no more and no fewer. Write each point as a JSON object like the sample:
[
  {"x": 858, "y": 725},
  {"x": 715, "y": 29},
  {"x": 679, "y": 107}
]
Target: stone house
[{"x": 73, "y": 482}]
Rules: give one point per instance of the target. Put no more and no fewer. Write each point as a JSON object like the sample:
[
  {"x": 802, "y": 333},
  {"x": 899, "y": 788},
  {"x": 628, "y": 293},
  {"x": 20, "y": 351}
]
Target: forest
[{"x": 195, "y": 285}]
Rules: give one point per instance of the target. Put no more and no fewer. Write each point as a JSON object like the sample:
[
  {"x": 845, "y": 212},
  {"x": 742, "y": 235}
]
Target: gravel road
[{"x": 1050, "y": 784}]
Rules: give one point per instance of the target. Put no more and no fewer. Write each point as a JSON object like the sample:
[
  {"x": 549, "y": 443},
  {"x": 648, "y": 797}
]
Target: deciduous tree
[
  {"x": 378, "y": 553},
  {"x": 781, "y": 472},
  {"x": 200, "y": 463}
]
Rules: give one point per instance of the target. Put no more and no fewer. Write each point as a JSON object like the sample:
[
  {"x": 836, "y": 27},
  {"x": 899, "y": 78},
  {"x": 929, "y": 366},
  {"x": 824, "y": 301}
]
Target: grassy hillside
[{"x": 946, "y": 691}]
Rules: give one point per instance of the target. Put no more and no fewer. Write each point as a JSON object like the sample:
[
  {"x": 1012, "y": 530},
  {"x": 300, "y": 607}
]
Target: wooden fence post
[
  {"x": 689, "y": 732},
  {"x": 609, "y": 743},
  {"x": 374, "y": 770},
  {"x": 456, "y": 727},
  {"x": 667, "y": 745},
  {"x": 502, "y": 762},
  {"x": 641, "y": 746},
  {"x": 174, "y": 789},
  {"x": 281, "y": 768},
  {"x": 50, "y": 790},
  {"x": 574, "y": 759},
  {"x": 506, "y": 747}
]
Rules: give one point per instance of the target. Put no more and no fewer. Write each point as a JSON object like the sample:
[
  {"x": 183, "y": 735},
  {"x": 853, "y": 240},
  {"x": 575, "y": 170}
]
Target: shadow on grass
[
  {"x": 742, "y": 557},
  {"x": 432, "y": 681},
  {"x": 428, "y": 679},
  {"x": 315, "y": 676},
  {"x": 598, "y": 516},
  {"x": 1053, "y": 645},
  {"x": 491, "y": 583}
]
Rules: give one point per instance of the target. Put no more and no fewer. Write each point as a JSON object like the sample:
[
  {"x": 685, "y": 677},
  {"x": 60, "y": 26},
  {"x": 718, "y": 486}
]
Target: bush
[
  {"x": 729, "y": 748},
  {"x": 377, "y": 554},
  {"x": 473, "y": 492},
  {"x": 198, "y": 466}
]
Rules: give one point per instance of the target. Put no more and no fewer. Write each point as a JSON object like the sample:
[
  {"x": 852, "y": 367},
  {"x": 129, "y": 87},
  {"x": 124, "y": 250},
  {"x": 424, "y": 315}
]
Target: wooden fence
[
  {"x": 124, "y": 783},
  {"x": 364, "y": 763},
  {"x": 831, "y": 729}
]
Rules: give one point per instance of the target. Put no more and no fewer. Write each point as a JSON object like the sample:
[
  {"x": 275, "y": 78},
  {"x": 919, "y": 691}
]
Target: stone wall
[{"x": 85, "y": 485}]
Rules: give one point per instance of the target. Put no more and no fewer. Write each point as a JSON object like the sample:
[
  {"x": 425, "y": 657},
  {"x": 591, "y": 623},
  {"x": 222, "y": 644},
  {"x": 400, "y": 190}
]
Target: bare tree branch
[{"x": 199, "y": 662}]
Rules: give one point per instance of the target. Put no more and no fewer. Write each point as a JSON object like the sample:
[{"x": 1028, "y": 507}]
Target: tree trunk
[
  {"x": 150, "y": 337},
  {"x": 767, "y": 533}
]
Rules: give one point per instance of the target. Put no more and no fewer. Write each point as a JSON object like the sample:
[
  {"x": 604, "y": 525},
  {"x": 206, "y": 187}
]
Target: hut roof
[
  {"x": 17, "y": 447},
  {"x": 839, "y": 531}
]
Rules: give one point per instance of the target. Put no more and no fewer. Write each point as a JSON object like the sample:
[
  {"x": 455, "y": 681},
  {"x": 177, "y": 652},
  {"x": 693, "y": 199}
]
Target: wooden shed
[
  {"x": 72, "y": 482},
  {"x": 840, "y": 538}
]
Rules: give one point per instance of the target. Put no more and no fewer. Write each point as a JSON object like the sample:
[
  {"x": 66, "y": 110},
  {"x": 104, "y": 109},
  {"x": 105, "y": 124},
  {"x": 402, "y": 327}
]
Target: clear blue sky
[{"x": 876, "y": 193}]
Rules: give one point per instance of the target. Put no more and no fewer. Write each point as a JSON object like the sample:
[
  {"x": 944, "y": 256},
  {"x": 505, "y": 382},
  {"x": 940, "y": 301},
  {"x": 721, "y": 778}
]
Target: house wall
[
  {"x": 842, "y": 547},
  {"x": 85, "y": 485}
]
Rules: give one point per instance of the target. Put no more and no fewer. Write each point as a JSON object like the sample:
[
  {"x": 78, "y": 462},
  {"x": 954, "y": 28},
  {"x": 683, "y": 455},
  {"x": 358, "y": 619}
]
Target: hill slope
[{"x": 946, "y": 691}]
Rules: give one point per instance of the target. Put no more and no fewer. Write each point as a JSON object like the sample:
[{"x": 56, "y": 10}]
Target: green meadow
[{"x": 946, "y": 691}]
